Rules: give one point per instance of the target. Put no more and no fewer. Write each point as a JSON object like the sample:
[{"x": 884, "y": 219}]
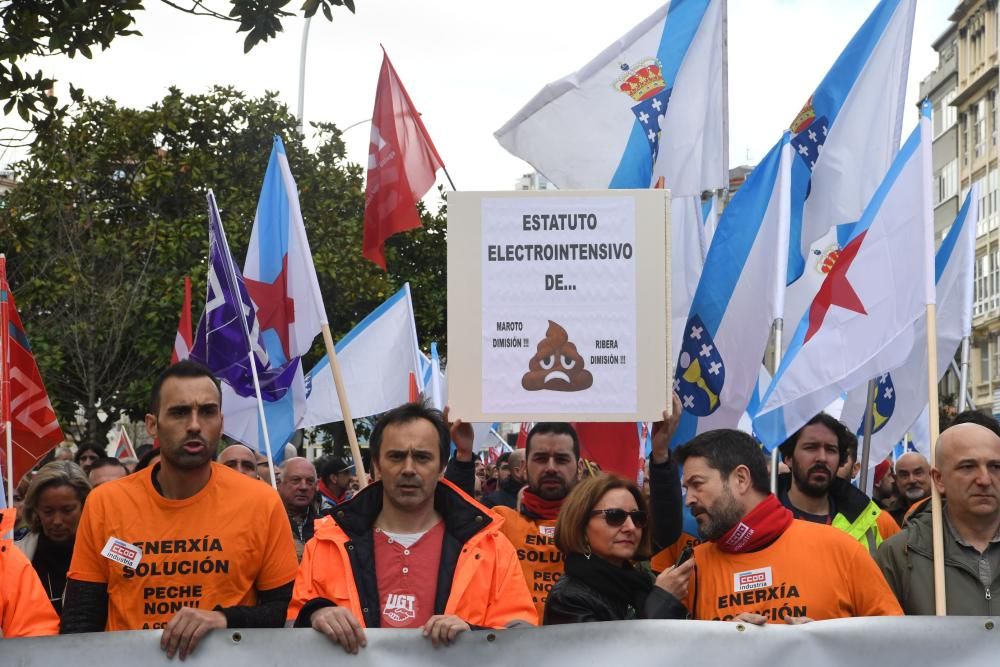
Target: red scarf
[
  {"x": 760, "y": 527},
  {"x": 545, "y": 509},
  {"x": 325, "y": 490}
]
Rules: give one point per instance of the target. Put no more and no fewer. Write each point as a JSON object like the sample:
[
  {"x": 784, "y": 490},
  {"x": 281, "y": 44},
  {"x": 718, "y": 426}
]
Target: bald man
[
  {"x": 967, "y": 473},
  {"x": 240, "y": 458},
  {"x": 297, "y": 489}
]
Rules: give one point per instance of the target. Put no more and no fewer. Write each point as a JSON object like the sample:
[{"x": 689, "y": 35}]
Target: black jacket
[
  {"x": 573, "y": 601},
  {"x": 505, "y": 495}
]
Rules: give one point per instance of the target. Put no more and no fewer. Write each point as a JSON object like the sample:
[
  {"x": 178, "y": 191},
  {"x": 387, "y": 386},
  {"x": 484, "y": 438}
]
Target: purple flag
[{"x": 229, "y": 322}]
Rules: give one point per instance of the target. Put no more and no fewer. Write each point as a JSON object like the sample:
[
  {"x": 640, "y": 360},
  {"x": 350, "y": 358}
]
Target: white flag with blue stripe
[
  {"x": 848, "y": 131},
  {"x": 737, "y": 300},
  {"x": 281, "y": 279},
  {"x": 863, "y": 319},
  {"x": 653, "y": 98},
  {"x": 901, "y": 395},
  {"x": 376, "y": 358}
]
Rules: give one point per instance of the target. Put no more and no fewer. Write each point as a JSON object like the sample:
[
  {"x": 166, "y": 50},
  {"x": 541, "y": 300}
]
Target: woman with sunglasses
[{"x": 601, "y": 533}]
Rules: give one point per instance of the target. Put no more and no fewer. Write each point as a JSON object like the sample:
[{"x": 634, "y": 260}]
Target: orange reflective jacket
[
  {"x": 25, "y": 610},
  {"x": 487, "y": 586}
]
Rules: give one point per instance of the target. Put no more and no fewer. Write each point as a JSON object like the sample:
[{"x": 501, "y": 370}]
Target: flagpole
[
  {"x": 778, "y": 328},
  {"x": 725, "y": 91},
  {"x": 302, "y": 76},
  {"x": 448, "y": 176},
  {"x": 345, "y": 408},
  {"x": 5, "y": 377},
  {"x": 234, "y": 289},
  {"x": 940, "y": 605},
  {"x": 963, "y": 377},
  {"x": 867, "y": 437}
]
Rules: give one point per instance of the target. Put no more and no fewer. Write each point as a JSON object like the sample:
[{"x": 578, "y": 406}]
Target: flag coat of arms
[
  {"x": 651, "y": 104},
  {"x": 862, "y": 321},
  {"x": 738, "y": 298},
  {"x": 26, "y": 406},
  {"x": 901, "y": 395},
  {"x": 847, "y": 133}
]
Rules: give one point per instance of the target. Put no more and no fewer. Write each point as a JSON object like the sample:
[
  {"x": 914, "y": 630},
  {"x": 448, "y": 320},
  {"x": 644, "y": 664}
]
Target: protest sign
[{"x": 557, "y": 305}]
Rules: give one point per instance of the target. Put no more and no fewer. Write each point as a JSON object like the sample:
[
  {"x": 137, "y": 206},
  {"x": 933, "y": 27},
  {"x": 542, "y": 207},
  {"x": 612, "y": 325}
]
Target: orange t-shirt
[
  {"x": 535, "y": 543},
  {"x": 217, "y": 547},
  {"x": 887, "y": 526},
  {"x": 812, "y": 570}
]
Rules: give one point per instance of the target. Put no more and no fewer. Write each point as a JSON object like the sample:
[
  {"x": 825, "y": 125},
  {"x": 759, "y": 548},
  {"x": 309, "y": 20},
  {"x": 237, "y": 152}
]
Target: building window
[
  {"x": 963, "y": 122},
  {"x": 945, "y": 114},
  {"x": 947, "y": 182},
  {"x": 979, "y": 117},
  {"x": 984, "y": 361}
]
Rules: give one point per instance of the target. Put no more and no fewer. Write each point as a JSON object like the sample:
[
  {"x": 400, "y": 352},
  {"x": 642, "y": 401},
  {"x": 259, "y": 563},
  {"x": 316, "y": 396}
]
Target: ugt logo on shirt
[{"x": 400, "y": 608}]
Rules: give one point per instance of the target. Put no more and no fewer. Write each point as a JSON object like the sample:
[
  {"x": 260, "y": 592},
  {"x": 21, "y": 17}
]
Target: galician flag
[
  {"x": 847, "y": 133},
  {"x": 738, "y": 298},
  {"x": 281, "y": 280},
  {"x": 901, "y": 395},
  {"x": 864, "y": 318},
  {"x": 649, "y": 105},
  {"x": 376, "y": 360}
]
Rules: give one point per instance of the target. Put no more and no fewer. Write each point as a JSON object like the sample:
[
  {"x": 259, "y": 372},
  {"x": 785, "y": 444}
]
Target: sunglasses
[{"x": 615, "y": 517}]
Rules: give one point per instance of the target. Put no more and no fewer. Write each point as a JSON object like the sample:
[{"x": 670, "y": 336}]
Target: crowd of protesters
[{"x": 189, "y": 539}]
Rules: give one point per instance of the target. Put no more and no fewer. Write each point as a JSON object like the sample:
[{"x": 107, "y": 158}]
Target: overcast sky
[{"x": 469, "y": 65}]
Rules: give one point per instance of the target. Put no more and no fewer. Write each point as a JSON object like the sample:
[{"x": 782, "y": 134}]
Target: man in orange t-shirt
[
  {"x": 759, "y": 564},
  {"x": 187, "y": 545}
]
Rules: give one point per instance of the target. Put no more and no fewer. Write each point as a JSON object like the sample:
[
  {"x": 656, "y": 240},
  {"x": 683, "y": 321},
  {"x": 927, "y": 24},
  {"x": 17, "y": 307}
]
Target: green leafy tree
[
  {"x": 109, "y": 215},
  {"x": 79, "y": 27}
]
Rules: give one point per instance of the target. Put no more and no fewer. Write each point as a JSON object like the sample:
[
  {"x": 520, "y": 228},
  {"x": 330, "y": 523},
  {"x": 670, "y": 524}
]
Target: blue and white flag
[
  {"x": 847, "y": 133},
  {"x": 901, "y": 395},
  {"x": 229, "y": 327},
  {"x": 281, "y": 279},
  {"x": 863, "y": 320},
  {"x": 737, "y": 300},
  {"x": 376, "y": 358},
  {"x": 651, "y": 104}
]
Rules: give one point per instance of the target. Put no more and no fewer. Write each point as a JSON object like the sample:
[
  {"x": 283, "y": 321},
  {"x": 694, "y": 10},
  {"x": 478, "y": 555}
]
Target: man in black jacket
[{"x": 506, "y": 493}]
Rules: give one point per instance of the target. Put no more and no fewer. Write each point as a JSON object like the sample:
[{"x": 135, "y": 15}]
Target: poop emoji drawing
[{"x": 556, "y": 365}]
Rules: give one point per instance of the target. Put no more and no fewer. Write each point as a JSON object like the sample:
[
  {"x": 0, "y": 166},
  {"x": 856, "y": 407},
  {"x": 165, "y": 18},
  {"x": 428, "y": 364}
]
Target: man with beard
[
  {"x": 913, "y": 479},
  {"x": 507, "y": 490},
  {"x": 410, "y": 550},
  {"x": 552, "y": 453},
  {"x": 187, "y": 545},
  {"x": 759, "y": 564},
  {"x": 812, "y": 490}
]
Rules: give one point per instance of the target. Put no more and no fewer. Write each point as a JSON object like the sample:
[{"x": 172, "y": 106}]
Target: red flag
[
  {"x": 414, "y": 390},
  {"x": 26, "y": 406},
  {"x": 183, "y": 341},
  {"x": 612, "y": 445},
  {"x": 123, "y": 448},
  {"x": 402, "y": 162},
  {"x": 522, "y": 436}
]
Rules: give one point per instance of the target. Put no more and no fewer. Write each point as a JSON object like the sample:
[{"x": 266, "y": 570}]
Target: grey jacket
[{"x": 907, "y": 563}]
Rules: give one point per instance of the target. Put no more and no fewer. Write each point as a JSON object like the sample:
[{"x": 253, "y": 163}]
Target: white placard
[{"x": 559, "y": 305}]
